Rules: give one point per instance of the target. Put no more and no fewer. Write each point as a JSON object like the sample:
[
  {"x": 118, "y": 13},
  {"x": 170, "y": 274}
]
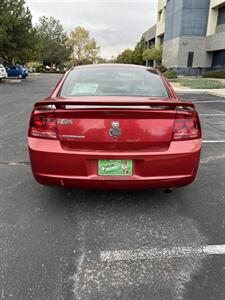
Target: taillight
[
  {"x": 186, "y": 126},
  {"x": 43, "y": 126}
]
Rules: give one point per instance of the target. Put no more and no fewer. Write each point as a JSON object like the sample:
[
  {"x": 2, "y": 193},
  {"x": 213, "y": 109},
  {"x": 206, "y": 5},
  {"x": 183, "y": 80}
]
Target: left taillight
[{"x": 43, "y": 125}]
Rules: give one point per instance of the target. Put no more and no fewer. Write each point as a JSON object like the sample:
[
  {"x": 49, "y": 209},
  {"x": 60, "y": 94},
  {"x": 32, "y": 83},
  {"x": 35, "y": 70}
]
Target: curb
[
  {"x": 218, "y": 94},
  {"x": 205, "y": 92},
  {"x": 180, "y": 91},
  {"x": 11, "y": 80}
]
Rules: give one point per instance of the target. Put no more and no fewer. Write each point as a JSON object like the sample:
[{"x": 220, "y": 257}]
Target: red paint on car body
[{"x": 69, "y": 135}]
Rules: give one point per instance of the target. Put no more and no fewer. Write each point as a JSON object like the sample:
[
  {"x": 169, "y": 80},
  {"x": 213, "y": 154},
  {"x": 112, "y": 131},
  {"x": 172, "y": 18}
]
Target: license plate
[{"x": 115, "y": 167}]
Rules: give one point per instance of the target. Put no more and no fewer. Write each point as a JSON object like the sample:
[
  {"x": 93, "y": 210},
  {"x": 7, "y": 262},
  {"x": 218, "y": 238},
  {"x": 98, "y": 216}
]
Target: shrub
[
  {"x": 153, "y": 54},
  {"x": 34, "y": 65},
  {"x": 41, "y": 69},
  {"x": 162, "y": 69},
  {"x": 170, "y": 74},
  {"x": 215, "y": 74}
]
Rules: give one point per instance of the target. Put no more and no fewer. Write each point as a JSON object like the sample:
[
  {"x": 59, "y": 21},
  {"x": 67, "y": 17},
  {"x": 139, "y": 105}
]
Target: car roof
[{"x": 115, "y": 65}]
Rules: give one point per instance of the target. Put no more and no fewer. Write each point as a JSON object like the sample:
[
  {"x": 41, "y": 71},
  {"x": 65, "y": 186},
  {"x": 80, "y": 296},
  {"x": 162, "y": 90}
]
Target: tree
[
  {"x": 153, "y": 54},
  {"x": 101, "y": 60},
  {"x": 53, "y": 41},
  {"x": 112, "y": 60},
  {"x": 126, "y": 57},
  {"x": 138, "y": 52},
  {"x": 18, "y": 39},
  {"x": 85, "y": 49}
]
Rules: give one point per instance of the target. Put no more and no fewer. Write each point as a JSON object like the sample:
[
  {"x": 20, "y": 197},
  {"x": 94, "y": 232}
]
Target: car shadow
[{"x": 96, "y": 203}]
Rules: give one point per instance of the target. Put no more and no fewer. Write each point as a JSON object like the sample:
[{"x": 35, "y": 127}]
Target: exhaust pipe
[{"x": 168, "y": 191}]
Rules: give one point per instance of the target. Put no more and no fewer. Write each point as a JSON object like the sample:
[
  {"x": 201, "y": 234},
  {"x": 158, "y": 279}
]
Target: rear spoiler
[{"x": 87, "y": 104}]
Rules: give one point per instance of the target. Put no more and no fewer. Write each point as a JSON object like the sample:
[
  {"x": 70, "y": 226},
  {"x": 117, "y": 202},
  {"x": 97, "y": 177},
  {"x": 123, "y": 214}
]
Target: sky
[{"x": 115, "y": 24}]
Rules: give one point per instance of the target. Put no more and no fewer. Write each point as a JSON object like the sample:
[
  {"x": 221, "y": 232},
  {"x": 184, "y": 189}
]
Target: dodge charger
[{"x": 114, "y": 126}]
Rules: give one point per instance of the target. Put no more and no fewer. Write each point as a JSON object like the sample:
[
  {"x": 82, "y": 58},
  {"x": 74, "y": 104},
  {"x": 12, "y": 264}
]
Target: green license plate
[{"x": 115, "y": 167}]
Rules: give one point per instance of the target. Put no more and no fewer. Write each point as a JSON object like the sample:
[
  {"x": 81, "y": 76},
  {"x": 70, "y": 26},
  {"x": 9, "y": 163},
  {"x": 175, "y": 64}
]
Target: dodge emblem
[{"x": 115, "y": 131}]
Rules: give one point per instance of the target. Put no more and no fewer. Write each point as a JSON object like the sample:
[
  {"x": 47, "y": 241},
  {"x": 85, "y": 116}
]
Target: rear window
[{"x": 111, "y": 81}]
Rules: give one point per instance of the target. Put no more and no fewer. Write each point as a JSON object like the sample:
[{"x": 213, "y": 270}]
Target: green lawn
[{"x": 200, "y": 83}]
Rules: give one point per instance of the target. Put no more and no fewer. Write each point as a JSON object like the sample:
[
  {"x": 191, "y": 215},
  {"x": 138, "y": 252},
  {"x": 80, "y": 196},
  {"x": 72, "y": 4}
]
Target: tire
[{"x": 20, "y": 76}]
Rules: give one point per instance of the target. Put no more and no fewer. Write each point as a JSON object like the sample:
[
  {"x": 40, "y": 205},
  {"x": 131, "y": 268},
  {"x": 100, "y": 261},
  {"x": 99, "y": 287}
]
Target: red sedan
[{"x": 114, "y": 127}]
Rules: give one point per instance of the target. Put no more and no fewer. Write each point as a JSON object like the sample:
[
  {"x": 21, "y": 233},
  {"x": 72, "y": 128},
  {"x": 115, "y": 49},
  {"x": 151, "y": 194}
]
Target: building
[{"x": 192, "y": 34}]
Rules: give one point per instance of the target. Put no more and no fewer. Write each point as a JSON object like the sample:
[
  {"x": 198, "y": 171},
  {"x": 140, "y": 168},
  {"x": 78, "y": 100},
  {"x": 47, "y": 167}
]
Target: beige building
[{"x": 192, "y": 34}]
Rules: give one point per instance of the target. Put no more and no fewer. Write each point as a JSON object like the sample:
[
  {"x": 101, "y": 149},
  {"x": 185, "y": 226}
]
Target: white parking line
[
  {"x": 209, "y": 101},
  {"x": 211, "y": 115},
  {"x": 212, "y": 158},
  {"x": 164, "y": 253},
  {"x": 213, "y": 142},
  {"x": 15, "y": 163}
]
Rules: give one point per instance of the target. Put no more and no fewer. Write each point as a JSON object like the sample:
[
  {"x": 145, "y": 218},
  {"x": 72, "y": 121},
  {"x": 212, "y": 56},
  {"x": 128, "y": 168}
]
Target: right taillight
[
  {"x": 43, "y": 126},
  {"x": 186, "y": 126}
]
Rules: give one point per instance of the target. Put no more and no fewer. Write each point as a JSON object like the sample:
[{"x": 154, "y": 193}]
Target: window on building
[
  {"x": 218, "y": 59},
  {"x": 221, "y": 16},
  {"x": 161, "y": 39},
  {"x": 190, "y": 59}
]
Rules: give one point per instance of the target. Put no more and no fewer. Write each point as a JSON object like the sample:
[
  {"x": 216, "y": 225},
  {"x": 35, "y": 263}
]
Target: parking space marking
[
  {"x": 164, "y": 253},
  {"x": 211, "y": 115},
  {"x": 212, "y": 158},
  {"x": 15, "y": 163},
  {"x": 209, "y": 101},
  {"x": 213, "y": 142}
]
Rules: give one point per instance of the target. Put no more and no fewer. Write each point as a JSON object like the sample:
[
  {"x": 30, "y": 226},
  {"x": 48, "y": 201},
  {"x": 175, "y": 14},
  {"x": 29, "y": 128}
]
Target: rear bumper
[{"x": 52, "y": 165}]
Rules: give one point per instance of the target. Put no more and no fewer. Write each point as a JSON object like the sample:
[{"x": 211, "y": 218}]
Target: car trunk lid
[{"x": 137, "y": 124}]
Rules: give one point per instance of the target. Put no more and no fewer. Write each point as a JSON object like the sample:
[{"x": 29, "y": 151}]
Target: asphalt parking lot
[{"x": 103, "y": 245}]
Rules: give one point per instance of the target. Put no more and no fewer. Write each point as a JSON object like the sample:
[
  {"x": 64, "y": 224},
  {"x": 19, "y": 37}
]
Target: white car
[{"x": 3, "y": 73}]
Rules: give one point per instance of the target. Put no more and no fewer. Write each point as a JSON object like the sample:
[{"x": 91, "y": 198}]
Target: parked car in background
[
  {"x": 114, "y": 127},
  {"x": 25, "y": 70},
  {"x": 3, "y": 73},
  {"x": 17, "y": 71}
]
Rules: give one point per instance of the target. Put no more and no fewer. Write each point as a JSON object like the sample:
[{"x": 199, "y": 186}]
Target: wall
[
  {"x": 215, "y": 42},
  {"x": 191, "y": 26},
  {"x": 213, "y": 16},
  {"x": 186, "y": 27},
  {"x": 197, "y": 45},
  {"x": 150, "y": 34},
  {"x": 160, "y": 27},
  {"x": 173, "y": 22},
  {"x": 195, "y": 17},
  {"x": 186, "y": 17},
  {"x": 175, "y": 52},
  {"x": 170, "y": 52}
]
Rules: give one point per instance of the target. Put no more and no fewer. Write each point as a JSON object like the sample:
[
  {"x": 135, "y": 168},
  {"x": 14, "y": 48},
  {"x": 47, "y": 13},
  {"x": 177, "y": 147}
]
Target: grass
[
  {"x": 200, "y": 83},
  {"x": 174, "y": 80}
]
